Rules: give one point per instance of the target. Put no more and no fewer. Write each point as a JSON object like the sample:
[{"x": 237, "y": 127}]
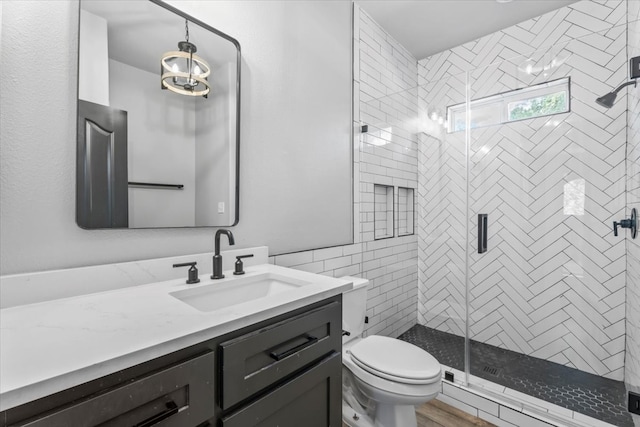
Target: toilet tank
[{"x": 354, "y": 306}]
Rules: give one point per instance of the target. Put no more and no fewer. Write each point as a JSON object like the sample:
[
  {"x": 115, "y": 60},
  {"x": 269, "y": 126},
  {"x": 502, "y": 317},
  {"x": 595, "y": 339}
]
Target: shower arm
[{"x": 619, "y": 88}]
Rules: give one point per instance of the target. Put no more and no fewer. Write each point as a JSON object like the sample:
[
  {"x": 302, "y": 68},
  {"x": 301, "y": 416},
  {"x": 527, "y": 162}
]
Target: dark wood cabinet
[
  {"x": 284, "y": 371},
  {"x": 254, "y": 361},
  {"x": 311, "y": 399},
  {"x": 176, "y": 396}
]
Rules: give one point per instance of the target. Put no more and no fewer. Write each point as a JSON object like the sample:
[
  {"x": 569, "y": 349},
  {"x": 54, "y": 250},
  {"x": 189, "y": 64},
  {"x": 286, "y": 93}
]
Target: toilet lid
[{"x": 395, "y": 360}]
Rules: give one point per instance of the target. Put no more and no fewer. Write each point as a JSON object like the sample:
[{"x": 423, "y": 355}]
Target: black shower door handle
[{"x": 482, "y": 233}]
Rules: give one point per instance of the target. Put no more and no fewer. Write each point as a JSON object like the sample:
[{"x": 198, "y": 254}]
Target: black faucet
[{"x": 217, "y": 258}]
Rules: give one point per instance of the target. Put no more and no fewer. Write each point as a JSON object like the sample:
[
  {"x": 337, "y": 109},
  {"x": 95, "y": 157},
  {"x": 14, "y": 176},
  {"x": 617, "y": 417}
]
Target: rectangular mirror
[{"x": 158, "y": 119}]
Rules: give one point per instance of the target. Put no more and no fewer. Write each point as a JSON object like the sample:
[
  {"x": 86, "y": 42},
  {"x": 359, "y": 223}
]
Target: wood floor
[{"x": 438, "y": 414}]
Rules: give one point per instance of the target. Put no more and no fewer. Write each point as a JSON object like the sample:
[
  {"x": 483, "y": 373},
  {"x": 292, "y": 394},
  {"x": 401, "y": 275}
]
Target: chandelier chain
[{"x": 186, "y": 29}]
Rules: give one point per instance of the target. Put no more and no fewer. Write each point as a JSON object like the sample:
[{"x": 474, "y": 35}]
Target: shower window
[
  {"x": 539, "y": 106},
  {"x": 539, "y": 100}
]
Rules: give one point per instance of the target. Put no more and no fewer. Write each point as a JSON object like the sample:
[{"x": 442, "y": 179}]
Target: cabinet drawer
[
  {"x": 180, "y": 395},
  {"x": 312, "y": 399},
  {"x": 254, "y": 361}
]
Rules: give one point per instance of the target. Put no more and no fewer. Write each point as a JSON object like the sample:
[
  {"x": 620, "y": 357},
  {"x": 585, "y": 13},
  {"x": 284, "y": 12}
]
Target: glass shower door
[{"x": 546, "y": 275}]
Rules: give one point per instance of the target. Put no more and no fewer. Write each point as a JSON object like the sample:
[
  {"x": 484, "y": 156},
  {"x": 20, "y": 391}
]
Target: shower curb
[{"x": 506, "y": 410}]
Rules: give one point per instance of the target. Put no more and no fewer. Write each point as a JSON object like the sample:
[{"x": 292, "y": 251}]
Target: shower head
[{"x": 608, "y": 99}]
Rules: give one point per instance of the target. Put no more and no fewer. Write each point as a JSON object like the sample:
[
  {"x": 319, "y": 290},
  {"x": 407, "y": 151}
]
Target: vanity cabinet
[
  {"x": 285, "y": 371},
  {"x": 252, "y": 362},
  {"x": 301, "y": 357},
  {"x": 176, "y": 396},
  {"x": 311, "y": 399}
]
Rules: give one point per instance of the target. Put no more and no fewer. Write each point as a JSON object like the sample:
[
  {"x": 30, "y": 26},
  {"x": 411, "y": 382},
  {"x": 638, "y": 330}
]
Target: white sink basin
[{"x": 237, "y": 291}]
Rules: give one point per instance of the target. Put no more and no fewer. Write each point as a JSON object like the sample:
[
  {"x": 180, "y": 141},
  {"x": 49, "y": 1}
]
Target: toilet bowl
[{"x": 384, "y": 378}]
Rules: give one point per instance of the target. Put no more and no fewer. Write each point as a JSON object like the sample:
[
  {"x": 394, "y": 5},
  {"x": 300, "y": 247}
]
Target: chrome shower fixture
[{"x": 608, "y": 99}]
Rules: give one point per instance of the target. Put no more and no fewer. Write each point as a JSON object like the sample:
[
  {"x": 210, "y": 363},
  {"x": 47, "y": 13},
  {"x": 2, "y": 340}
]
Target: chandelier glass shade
[{"x": 184, "y": 72}]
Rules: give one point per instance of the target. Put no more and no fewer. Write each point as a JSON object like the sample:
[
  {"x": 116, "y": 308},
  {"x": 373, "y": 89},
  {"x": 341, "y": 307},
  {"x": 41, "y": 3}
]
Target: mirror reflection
[{"x": 158, "y": 119}]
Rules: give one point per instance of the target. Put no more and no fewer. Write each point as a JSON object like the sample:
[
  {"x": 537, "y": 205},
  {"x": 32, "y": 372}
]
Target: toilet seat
[
  {"x": 395, "y": 360},
  {"x": 407, "y": 392}
]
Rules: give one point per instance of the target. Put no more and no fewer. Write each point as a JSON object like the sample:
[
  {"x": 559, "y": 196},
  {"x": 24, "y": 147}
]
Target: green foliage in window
[{"x": 542, "y": 106}]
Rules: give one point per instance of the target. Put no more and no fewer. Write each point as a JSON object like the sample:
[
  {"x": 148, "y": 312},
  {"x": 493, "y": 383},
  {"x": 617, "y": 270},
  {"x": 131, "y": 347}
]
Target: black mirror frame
[{"x": 238, "y": 109}]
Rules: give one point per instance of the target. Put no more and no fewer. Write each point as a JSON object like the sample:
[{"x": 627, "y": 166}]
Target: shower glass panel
[
  {"x": 398, "y": 123},
  {"x": 546, "y": 299},
  {"x": 441, "y": 226}
]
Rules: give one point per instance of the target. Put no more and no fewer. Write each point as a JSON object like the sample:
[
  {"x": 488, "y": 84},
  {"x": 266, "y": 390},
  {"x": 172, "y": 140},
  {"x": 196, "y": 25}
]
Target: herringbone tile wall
[
  {"x": 632, "y": 363},
  {"x": 442, "y": 210},
  {"x": 552, "y": 284}
]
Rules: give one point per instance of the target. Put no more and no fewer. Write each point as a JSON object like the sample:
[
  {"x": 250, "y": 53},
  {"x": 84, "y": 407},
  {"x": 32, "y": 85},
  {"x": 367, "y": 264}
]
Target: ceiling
[
  {"x": 425, "y": 27},
  {"x": 140, "y": 32}
]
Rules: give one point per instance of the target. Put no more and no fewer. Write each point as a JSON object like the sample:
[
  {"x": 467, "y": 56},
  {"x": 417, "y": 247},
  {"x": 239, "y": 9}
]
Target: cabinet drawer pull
[
  {"x": 310, "y": 341},
  {"x": 172, "y": 409}
]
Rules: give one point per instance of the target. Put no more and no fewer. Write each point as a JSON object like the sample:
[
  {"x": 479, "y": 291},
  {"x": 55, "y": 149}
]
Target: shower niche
[
  {"x": 406, "y": 203},
  {"x": 383, "y": 212},
  {"x": 393, "y": 217}
]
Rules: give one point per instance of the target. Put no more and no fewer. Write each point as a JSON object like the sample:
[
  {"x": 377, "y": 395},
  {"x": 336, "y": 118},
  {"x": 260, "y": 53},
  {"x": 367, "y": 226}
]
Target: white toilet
[{"x": 383, "y": 378}]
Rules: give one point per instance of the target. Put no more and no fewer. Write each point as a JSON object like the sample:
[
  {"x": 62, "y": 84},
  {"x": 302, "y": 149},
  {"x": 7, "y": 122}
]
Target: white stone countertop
[{"x": 50, "y": 346}]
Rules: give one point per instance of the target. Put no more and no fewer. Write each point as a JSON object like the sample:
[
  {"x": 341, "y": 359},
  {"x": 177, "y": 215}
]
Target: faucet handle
[
  {"x": 631, "y": 223},
  {"x": 239, "y": 267},
  {"x": 192, "y": 273}
]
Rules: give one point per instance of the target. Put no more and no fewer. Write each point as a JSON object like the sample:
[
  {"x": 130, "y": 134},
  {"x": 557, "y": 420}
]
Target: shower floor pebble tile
[{"x": 570, "y": 393}]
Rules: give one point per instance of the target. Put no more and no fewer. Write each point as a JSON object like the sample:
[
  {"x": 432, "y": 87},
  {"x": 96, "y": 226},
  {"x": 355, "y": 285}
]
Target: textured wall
[
  {"x": 387, "y": 154},
  {"x": 296, "y": 135},
  {"x": 552, "y": 284},
  {"x": 213, "y": 183},
  {"x": 632, "y": 361},
  {"x": 38, "y": 152}
]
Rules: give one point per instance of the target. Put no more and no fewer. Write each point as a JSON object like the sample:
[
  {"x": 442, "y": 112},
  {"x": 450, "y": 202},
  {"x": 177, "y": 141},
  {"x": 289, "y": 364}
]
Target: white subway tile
[
  {"x": 327, "y": 253},
  {"x": 334, "y": 263},
  {"x": 474, "y": 400},
  {"x": 494, "y": 420},
  {"x": 352, "y": 270},
  {"x": 293, "y": 259},
  {"x": 458, "y": 404},
  {"x": 520, "y": 419},
  {"x": 312, "y": 267}
]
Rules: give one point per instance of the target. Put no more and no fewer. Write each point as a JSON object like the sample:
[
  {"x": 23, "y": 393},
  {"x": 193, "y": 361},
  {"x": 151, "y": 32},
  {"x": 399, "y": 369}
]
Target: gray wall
[
  {"x": 214, "y": 161},
  {"x": 296, "y": 188},
  {"x": 161, "y": 146},
  {"x": 383, "y": 69}
]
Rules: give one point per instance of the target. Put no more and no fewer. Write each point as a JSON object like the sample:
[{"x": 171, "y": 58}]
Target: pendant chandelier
[{"x": 183, "y": 71}]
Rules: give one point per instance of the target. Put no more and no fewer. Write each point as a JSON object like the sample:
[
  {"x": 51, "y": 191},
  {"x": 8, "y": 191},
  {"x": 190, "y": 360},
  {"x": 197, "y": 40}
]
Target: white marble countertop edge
[{"x": 189, "y": 327}]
